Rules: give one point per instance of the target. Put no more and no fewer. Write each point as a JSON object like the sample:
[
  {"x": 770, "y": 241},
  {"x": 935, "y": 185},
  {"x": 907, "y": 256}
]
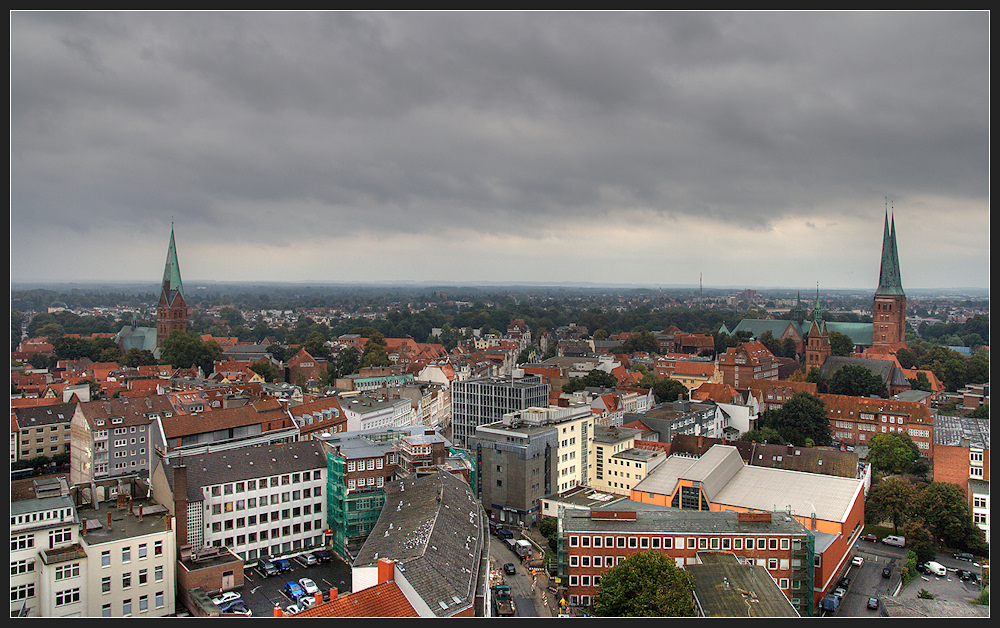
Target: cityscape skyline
[{"x": 756, "y": 149}]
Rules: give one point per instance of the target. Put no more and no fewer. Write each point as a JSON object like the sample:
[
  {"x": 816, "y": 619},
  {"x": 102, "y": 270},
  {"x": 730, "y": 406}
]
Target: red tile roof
[{"x": 381, "y": 600}]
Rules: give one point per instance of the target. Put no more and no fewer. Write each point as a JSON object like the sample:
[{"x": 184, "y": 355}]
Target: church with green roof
[{"x": 888, "y": 313}]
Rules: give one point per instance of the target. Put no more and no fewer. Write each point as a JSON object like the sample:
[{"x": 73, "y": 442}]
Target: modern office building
[
  {"x": 530, "y": 454},
  {"x": 485, "y": 400}
]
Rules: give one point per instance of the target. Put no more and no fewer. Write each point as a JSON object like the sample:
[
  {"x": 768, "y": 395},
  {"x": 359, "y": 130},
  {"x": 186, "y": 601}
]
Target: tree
[
  {"x": 375, "y": 354},
  {"x": 667, "y": 390},
  {"x": 347, "y": 361},
  {"x": 946, "y": 514},
  {"x": 138, "y": 357},
  {"x": 771, "y": 343},
  {"x": 892, "y": 453},
  {"x": 266, "y": 369},
  {"x": 762, "y": 435},
  {"x": 788, "y": 348},
  {"x": 982, "y": 412},
  {"x": 920, "y": 541},
  {"x": 891, "y": 499},
  {"x": 647, "y": 584},
  {"x": 184, "y": 350},
  {"x": 840, "y": 344},
  {"x": 857, "y": 381},
  {"x": 641, "y": 340},
  {"x": 549, "y": 527},
  {"x": 800, "y": 419},
  {"x": 920, "y": 382}
]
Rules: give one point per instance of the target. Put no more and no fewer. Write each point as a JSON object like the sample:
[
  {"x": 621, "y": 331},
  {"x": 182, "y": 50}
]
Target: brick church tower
[
  {"x": 172, "y": 311},
  {"x": 818, "y": 346},
  {"x": 889, "y": 307}
]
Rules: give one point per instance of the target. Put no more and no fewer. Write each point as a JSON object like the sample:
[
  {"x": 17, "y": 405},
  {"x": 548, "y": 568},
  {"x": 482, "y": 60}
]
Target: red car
[{"x": 870, "y": 537}]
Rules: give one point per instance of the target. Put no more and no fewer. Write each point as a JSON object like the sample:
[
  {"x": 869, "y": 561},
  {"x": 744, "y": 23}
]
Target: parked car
[
  {"x": 839, "y": 593},
  {"x": 870, "y": 537},
  {"x": 923, "y": 568},
  {"x": 873, "y": 603},
  {"x": 895, "y": 541},
  {"x": 308, "y": 560},
  {"x": 887, "y": 572},
  {"x": 293, "y": 609},
  {"x": 936, "y": 568},
  {"x": 509, "y": 568},
  {"x": 971, "y": 576},
  {"x": 267, "y": 569},
  {"x": 283, "y": 564},
  {"x": 845, "y": 582},
  {"x": 227, "y": 597},
  {"x": 963, "y": 556},
  {"x": 322, "y": 555},
  {"x": 858, "y": 561},
  {"x": 308, "y": 586},
  {"x": 293, "y": 590},
  {"x": 239, "y": 607},
  {"x": 306, "y": 602}
]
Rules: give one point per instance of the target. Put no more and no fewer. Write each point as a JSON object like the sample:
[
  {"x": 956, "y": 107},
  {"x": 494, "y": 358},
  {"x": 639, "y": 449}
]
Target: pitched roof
[
  {"x": 382, "y": 600},
  {"x": 132, "y": 410},
  {"x": 245, "y": 463},
  {"x": 240, "y": 416},
  {"x": 433, "y": 527}
]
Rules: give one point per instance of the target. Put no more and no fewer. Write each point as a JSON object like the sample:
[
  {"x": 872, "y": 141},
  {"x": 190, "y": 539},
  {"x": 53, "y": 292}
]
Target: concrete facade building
[
  {"x": 116, "y": 437},
  {"x": 530, "y": 454},
  {"x": 42, "y": 431},
  {"x": 480, "y": 401}
]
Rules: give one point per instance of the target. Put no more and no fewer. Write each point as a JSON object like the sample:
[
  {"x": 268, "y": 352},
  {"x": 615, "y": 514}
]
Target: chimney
[
  {"x": 319, "y": 596},
  {"x": 386, "y": 570},
  {"x": 277, "y": 612},
  {"x": 140, "y": 512},
  {"x": 180, "y": 503},
  {"x": 334, "y": 593},
  {"x": 167, "y": 520},
  {"x": 109, "y": 521},
  {"x": 83, "y": 527}
]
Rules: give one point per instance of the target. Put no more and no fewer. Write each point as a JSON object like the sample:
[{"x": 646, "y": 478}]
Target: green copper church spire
[
  {"x": 889, "y": 281},
  {"x": 172, "y": 271}
]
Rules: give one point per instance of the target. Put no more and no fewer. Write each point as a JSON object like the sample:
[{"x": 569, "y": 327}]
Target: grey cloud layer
[{"x": 417, "y": 122}]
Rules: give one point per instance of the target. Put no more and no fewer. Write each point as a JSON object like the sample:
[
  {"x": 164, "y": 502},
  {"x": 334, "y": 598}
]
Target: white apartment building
[
  {"x": 131, "y": 558},
  {"x": 47, "y": 564},
  {"x": 263, "y": 500},
  {"x": 367, "y": 413},
  {"x": 69, "y": 562}
]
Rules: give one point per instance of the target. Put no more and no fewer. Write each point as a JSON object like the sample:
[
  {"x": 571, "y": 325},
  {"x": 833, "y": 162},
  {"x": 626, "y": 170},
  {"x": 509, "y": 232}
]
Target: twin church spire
[{"x": 889, "y": 280}]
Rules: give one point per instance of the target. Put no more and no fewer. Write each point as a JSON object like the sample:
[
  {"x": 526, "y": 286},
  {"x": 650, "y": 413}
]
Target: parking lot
[
  {"x": 867, "y": 580},
  {"x": 262, "y": 594}
]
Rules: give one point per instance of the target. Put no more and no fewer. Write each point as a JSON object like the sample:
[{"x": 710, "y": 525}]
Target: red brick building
[
  {"x": 856, "y": 420},
  {"x": 597, "y": 540},
  {"x": 962, "y": 457},
  {"x": 746, "y": 362}
]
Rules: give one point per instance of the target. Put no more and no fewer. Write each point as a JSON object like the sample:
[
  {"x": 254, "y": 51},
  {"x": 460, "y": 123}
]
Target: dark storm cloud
[{"x": 280, "y": 127}]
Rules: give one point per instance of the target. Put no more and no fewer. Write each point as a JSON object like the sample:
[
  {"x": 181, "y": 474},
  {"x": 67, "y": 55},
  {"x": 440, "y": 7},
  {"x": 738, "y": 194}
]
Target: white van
[
  {"x": 937, "y": 568},
  {"x": 897, "y": 541}
]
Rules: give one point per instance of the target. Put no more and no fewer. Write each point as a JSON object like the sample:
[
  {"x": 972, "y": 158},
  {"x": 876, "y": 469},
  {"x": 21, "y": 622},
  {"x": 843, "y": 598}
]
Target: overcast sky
[{"x": 750, "y": 149}]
